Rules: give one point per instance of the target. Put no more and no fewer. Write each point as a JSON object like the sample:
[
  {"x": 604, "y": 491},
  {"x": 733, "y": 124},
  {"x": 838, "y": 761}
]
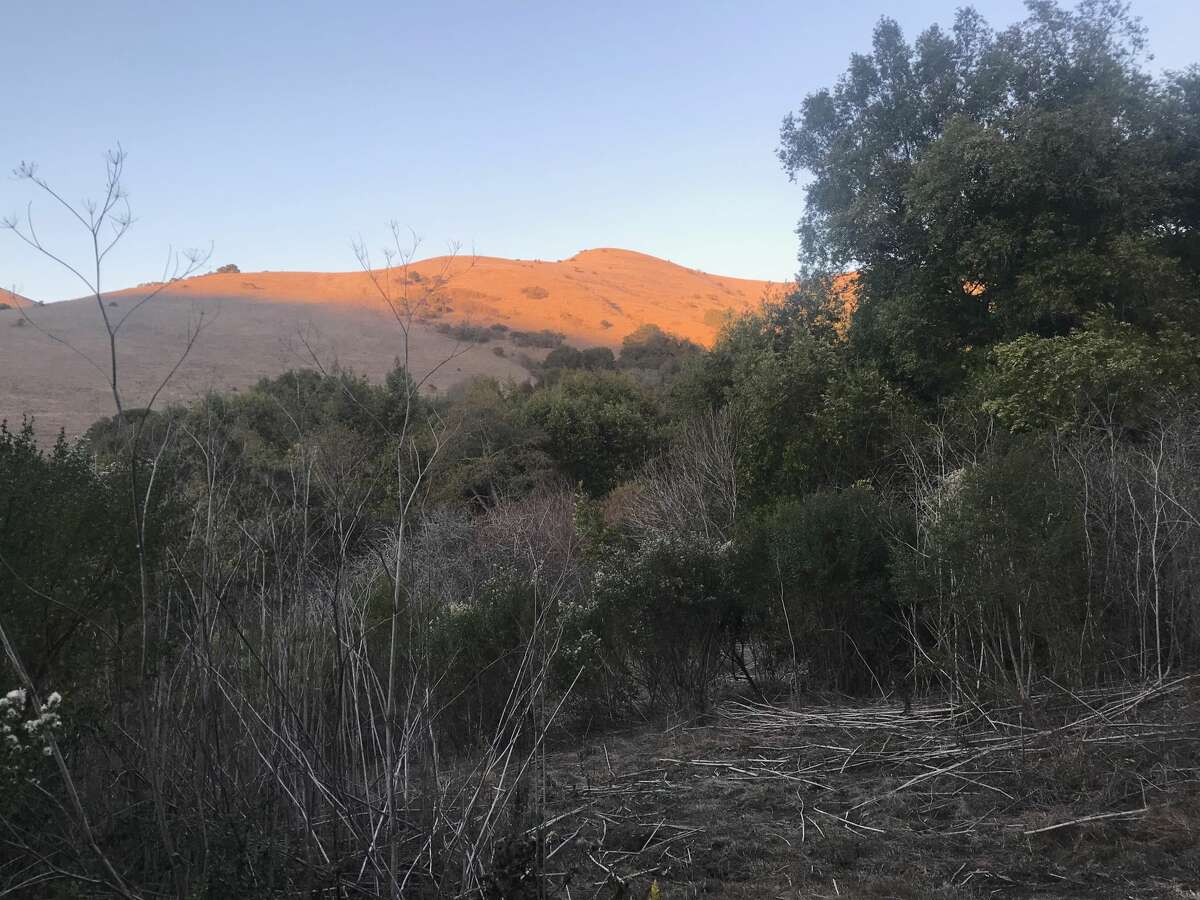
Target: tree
[
  {"x": 565, "y": 358},
  {"x": 806, "y": 414},
  {"x": 494, "y": 451},
  {"x": 989, "y": 184},
  {"x": 1107, "y": 374},
  {"x": 599, "y": 426},
  {"x": 653, "y": 354}
]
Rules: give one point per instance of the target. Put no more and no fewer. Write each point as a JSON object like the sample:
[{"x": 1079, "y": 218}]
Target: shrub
[
  {"x": 665, "y": 611},
  {"x": 997, "y": 570},
  {"x": 717, "y": 318},
  {"x": 599, "y": 426},
  {"x": 823, "y": 562},
  {"x": 26, "y": 737},
  {"x": 464, "y": 331},
  {"x": 63, "y": 533},
  {"x": 591, "y": 359},
  {"x": 545, "y": 339},
  {"x": 1106, "y": 372},
  {"x": 229, "y": 269},
  {"x": 484, "y": 638},
  {"x": 655, "y": 355}
]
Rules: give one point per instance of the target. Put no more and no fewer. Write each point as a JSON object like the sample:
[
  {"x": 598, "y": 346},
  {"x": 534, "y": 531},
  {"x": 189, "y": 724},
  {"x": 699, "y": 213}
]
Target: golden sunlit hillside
[
  {"x": 261, "y": 324},
  {"x": 595, "y": 297},
  {"x": 13, "y": 300}
]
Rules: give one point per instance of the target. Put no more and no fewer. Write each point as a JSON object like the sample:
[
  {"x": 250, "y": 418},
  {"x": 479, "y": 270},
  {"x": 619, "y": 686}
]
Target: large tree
[{"x": 990, "y": 184}]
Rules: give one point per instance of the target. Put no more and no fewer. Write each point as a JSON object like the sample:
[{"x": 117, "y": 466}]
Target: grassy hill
[{"x": 260, "y": 324}]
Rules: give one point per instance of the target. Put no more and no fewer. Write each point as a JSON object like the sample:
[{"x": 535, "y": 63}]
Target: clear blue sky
[{"x": 278, "y": 131}]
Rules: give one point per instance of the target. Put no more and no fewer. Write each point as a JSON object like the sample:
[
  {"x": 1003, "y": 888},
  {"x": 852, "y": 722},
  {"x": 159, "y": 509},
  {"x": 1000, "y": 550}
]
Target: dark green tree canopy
[
  {"x": 988, "y": 184},
  {"x": 599, "y": 427}
]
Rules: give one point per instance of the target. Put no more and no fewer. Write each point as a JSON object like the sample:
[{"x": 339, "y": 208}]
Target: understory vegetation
[{"x": 326, "y": 637}]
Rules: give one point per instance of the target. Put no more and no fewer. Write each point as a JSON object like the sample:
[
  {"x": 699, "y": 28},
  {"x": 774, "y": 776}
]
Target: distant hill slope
[
  {"x": 13, "y": 300},
  {"x": 263, "y": 323},
  {"x": 595, "y": 297}
]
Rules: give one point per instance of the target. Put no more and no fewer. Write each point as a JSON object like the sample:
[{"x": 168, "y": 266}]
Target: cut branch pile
[
  {"x": 973, "y": 745},
  {"x": 801, "y": 790}
]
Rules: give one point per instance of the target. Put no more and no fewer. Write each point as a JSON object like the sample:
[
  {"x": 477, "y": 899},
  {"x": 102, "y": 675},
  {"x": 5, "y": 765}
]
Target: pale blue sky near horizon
[{"x": 279, "y": 132}]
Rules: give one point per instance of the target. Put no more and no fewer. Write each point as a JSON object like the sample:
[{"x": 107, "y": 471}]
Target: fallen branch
[{"x": 1125, "y": 814}]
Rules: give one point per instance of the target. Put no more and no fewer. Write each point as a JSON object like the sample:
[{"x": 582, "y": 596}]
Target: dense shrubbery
[
  {"x": 598, "y": 427},
  {"x": 591, "y": 359},
  {"x": 545, "y": 339},
  {"x": 280, "y": 616},
  {"x": 464, "y": 331},
  {"x": 67, "y": 568},
  {"x": 654, "y": 355}
]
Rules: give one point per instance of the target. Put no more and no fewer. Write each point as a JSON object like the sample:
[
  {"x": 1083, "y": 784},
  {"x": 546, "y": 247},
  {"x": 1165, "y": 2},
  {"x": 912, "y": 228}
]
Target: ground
[{"x": 863, "y": 801}]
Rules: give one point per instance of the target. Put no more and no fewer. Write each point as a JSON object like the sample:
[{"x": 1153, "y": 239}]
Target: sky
[{"x": 279, "y": 132}]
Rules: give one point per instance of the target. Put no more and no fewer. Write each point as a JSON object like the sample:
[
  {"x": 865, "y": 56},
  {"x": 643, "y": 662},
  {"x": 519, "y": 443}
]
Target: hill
[
  {"x": 13, "y": 300},
  {"x": 260, "y": 324}
]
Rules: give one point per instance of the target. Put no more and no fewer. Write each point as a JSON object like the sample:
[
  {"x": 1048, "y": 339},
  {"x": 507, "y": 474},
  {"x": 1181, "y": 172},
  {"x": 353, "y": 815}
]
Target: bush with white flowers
[{"x": 26, "y": 732}]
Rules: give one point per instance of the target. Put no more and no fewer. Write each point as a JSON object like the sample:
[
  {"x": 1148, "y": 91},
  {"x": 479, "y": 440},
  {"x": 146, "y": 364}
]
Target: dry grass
[
  {"x": 257, "y": 324},
  {"x": 242, "y": 341},
  {"x": 1084, "y": 795}
]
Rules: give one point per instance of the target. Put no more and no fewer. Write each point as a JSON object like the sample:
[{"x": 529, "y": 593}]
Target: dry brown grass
[
  {"x": 241, "y": 342},
  {"x": 257, "y": 324}
]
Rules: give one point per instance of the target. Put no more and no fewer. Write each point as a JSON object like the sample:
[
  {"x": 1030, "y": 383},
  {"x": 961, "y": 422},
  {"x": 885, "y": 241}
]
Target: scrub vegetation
[{"x": 892, "y": 591}]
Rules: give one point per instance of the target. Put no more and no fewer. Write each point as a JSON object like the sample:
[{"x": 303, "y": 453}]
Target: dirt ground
[{"x": 1070, "y": 796}]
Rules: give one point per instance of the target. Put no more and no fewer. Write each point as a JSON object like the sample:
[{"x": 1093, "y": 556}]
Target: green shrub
[
  {"x": 591, "y": 359},
  {"x": 1108, "y": 372},
  {"x": 544, "y": 339},
  {"x": 598, "y": 426},
  {"x": 464, "y": 331},
  {"x": 997, "y": 575},
  {"x": 666, "y": 611},
  {"x": 817, "y": 570}
]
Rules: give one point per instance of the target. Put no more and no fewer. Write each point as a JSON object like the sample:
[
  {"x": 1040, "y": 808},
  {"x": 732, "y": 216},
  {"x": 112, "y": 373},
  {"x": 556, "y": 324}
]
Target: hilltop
[
  {"x": 594, "y": 297},
  {"x": 258, "y": 324}
]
